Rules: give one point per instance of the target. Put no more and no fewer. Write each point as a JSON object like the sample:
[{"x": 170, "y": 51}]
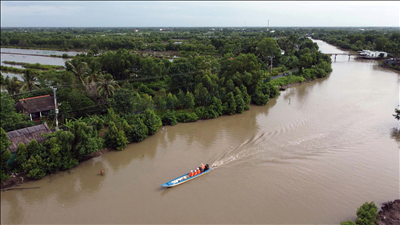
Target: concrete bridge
[{"x": 336, "y": 54}]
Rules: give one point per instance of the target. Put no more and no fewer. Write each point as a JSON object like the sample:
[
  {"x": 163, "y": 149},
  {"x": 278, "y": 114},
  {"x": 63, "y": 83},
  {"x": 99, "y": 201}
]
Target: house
[
  {"x": 36, "y": 107},
  {"x": 25, "y": 135},
  {"x": 367, "y": 54}
]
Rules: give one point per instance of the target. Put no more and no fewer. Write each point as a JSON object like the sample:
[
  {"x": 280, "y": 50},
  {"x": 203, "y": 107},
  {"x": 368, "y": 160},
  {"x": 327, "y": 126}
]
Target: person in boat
[
  {"x": 198, "y": 170},
  {"x": 195, "y": 172},
  {"x": 191, "y": 174},
  {"x": 206, "y": 167},
  {"x": 202, "y": 167}
]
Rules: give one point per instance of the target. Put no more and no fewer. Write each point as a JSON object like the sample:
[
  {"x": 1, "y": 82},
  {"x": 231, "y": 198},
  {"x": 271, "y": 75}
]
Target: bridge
[{"x": 336, "y": 54}]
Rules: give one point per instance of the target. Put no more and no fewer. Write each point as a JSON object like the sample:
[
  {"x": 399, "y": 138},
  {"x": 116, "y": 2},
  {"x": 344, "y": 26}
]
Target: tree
[
  {"x": 246, "y": 97},
  {"x": 85, "y": 139},
  {"x": 80, "y": 70},
  {"x": 123, "y": 101},
  {"x": 29, "y": 81},
  {"x": 35, "y": 167},
  {"x": 181, "y": 99},
  {"x": 107, "y": 86},
  {"x": 22, "y": 155},
  {"x": 171, "y": 101},
  {"x": 168, "y": 118},
  {"x": 239, "y": 103},
  {"x": 230, "y": 104},
  {"x": 189, "y": 101},
  {"x": 33, "y": 148},
  {"x": 13, "y": 85},
  {"x": 139, "y": 130},
  {"x": 367, "y": 214},
  {"x": 115, "y": 138},
  {"x": 152, "y": 121},
  {"x": 8, "y": 114},
  {"x": 5, "y": 154},
  {"x": 380, "y": 43},
  {"x": 268, "y": 47}
]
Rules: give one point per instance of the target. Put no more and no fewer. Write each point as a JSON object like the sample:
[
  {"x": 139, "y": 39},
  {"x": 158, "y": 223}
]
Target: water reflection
[{"x": 395, "y": 134}]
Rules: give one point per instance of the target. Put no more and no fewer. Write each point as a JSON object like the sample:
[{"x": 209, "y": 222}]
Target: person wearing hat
[
  {"x": 198, "y": 171},
  {"x": 191, "y": 174}
]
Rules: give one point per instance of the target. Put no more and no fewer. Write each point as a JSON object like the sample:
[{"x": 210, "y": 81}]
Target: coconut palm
[
  {"x": 12, "y": 85},
  {"x": 107, "y": 86},
  {"x": 29, "y": 81},
  {"x": 80, "y": 71}
]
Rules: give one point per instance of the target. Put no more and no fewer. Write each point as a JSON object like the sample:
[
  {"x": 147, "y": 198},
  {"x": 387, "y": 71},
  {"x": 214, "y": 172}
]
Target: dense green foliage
[
  {"x": 124, "y": 96},
  {"x": 5, "y": 154},
  {"x": 359, "y": 39},
  {"x": 366, "y": 215}
]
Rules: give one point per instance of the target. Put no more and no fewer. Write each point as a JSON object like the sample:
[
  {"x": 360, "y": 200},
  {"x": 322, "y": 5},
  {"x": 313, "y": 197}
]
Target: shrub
[
  {"x": 186, "y": 117},
  {"x": 169, "y": 118},
  {"x": 367, "y": 214},
  {"x": 145, "y": 90},
  {"x": 348, "y": 222},
  {"x": 152, "y": 121}
]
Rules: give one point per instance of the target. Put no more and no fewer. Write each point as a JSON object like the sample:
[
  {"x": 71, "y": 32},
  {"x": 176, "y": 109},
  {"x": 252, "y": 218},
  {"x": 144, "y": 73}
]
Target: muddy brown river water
[{"x": 310, "y": 156}]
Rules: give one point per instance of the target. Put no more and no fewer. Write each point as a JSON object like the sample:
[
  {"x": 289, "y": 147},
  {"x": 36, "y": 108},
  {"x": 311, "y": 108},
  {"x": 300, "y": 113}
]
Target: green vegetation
[
  {"x": 359, "y": 39},
  {"x": 122, "y": 97},
  {"x": 366, "y": 214}
]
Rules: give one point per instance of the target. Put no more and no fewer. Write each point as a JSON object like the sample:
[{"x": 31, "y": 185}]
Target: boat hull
[{"x": 174, "y": 182}]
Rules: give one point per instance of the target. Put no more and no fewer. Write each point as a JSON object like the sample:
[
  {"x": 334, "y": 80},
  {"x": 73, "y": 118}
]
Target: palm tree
[
  {"x": 12, "y": 85},
  {"x": 80, "y": 71},
  {"x": 29, "y": 81},
  {"x": 107, "y": 86}
]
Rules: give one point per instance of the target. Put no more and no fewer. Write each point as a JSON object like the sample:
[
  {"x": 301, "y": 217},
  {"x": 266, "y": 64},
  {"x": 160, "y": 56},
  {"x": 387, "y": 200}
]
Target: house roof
[
  {"x": 25, "y": 135},
  {"x": 35, "y": 104}
]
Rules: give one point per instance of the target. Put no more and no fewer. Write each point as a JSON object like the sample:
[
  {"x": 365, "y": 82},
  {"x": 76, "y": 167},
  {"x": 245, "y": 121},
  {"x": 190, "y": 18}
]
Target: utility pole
[
  {"x": 268, "y": 26},
  {"x": 55, "y": 106},
  {"x": 271, "y": 57}
]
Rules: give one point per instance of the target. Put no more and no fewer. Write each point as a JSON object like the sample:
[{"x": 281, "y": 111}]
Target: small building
[
  {"x": 25, "y": 135},
  {"x": 36, "y": 107},
  {"x": 367, "y": 54},
  {"x": 178, "y": 42}
]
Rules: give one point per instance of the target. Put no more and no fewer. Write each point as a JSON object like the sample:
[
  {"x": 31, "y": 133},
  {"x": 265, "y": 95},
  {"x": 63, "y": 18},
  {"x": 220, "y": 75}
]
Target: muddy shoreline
[
  {"x": 22, "y": 178},
  {"x": 389, "y": 213}
]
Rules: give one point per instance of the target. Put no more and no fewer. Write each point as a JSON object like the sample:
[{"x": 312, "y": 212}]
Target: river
[{"x": 312, "y": 155}]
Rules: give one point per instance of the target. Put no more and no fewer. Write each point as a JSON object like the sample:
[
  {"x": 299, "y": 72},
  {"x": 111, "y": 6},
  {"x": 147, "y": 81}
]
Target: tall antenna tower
[{"x": 268, "y": 26}]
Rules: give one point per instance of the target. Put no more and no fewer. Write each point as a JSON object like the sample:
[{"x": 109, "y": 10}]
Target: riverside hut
[
  {"x": 25, "y": 135},
  {"x": 36, "y": 107}
]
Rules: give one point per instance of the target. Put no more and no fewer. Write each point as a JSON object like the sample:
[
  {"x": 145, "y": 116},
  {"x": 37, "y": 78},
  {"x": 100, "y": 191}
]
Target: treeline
[
  {"x": 203, "y": 40},
  {"x": 357, "y": 39}
]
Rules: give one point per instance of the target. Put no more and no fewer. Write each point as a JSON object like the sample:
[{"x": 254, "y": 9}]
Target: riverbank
[
  {"x": 389, "y": 213},
  {"x": 22, "y": 178}
]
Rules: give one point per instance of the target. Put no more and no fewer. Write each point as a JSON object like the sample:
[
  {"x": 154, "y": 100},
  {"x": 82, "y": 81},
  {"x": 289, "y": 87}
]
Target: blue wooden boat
[{"x": 184, "y": 178}]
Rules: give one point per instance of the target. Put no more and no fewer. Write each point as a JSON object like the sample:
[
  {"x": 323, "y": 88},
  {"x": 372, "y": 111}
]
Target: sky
[{"x": 199, "y": 14}]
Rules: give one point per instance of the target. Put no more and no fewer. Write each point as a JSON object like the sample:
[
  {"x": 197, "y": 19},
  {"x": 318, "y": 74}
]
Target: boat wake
[{"x": 263, "y": 149}]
